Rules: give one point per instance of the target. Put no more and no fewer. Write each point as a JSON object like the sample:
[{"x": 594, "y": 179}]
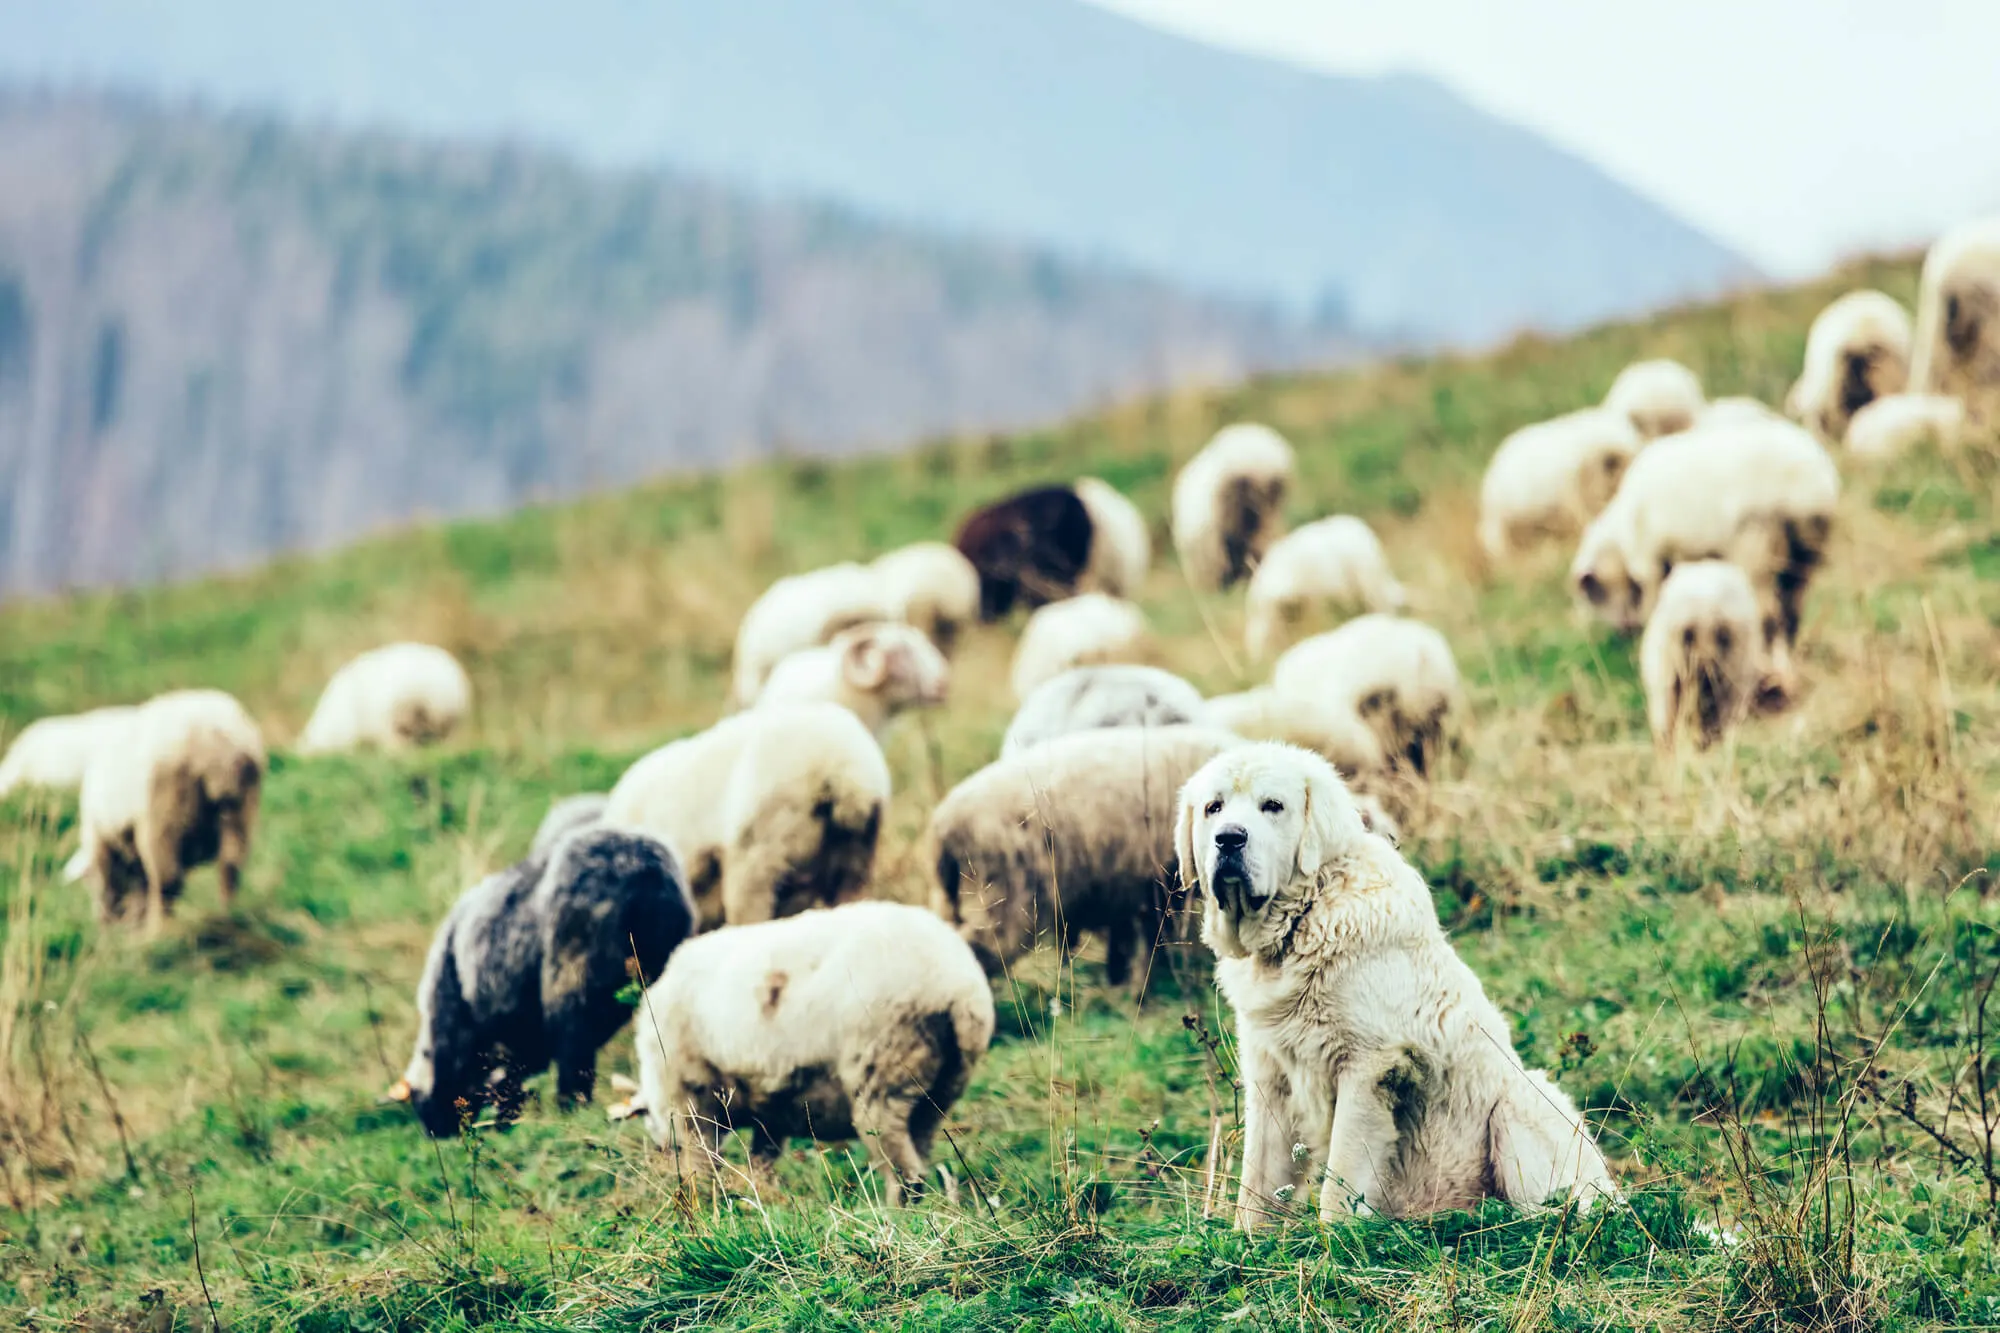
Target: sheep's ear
[
  {"x": 865, "y": 664},
  {"x": 1184, "y": 846}
]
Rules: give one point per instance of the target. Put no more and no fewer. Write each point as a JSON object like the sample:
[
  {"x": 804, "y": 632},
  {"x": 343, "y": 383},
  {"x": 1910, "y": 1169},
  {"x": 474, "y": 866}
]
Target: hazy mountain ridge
[
  {"x": 221, "y": 337},
  {"x": 1045, "y": 120}
]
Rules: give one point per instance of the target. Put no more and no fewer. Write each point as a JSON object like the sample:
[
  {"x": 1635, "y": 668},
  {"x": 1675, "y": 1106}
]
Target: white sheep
[
  {"x": 1070, "y": 836},
  {"x": 1858, "y": 350},
  {"x": 1397, "y": 675},
  {"x": 1661, "y": 397},
  {"x": 1229, "y": 503},
  {"x": 875, "y": 672},
  {"x": 1094, "y": 697},
  {"x": 56, "y": 751},
  {"x": 1893, "y": 425},
  {"x": 1760, "y": 494},
  {"x": 1121, "y": 550},
  {"x": 1957, "y": 346},
  {"x": 932, "y": 586},
  {"x": 1551, "y": 478},
  {"x": 802, "y": 611},
  {"x": 1702, "y": 655},
  {"x": 398, "y": 695},
  {"x": 1737, "y": 410},
  {"x": 1331, "y": 728},
  {"x": 178, "y": 790},
  {"x": 771, "y": 811},
  {"x": 1333, "y": 562},
  {"x": 1077, "y": 631},
  {"x": 861, "y": 1022}
]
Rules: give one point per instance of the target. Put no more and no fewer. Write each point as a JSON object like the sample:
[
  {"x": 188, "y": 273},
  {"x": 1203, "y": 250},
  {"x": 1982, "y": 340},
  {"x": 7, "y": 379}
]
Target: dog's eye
[
  {"x": 1273, "y": 807},
  {"x": 1212, "y": 809}
]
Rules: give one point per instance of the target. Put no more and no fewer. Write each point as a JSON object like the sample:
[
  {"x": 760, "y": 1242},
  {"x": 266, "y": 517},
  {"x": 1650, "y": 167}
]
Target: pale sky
[{"x": 1794, "y": 130}]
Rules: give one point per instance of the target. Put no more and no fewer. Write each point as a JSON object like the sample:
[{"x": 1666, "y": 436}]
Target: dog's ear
[
  {"x": 1331, "y": 821},
  {"x": 1184, "y": 846},
  {"x": 1312, "y": 839}
]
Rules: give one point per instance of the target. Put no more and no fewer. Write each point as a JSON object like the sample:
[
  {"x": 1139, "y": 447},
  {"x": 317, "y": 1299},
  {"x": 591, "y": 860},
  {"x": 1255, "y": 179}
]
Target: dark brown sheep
[{"x": 1029, "y": 549}]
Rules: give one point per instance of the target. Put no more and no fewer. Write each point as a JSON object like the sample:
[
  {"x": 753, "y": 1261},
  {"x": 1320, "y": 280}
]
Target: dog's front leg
[
  {"x": 1363, "y": 1143},
  {"x": 1271, "y": 1174}
]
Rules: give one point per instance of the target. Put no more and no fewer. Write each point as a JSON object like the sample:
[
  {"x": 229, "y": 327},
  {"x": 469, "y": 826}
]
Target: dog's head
[{"x": 1256, "y": 826}]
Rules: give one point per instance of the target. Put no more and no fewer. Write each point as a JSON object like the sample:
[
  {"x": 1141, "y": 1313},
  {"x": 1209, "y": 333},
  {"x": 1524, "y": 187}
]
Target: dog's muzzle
[{"x": 1231, "y": 877}]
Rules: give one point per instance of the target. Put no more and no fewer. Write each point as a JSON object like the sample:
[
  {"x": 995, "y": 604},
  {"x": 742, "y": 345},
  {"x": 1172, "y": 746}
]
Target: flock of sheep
[{"x": 723, "y": 870}]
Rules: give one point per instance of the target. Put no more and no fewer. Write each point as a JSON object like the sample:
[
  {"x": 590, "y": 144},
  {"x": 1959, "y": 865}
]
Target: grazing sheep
[
  {"x": 527, "y": 967},
  {"x": 862, "y": 1022},
  {"x": 1760, "y": 495},
  {"x": 1077, "y": 632},
  {"x": 1229, "y": 504},
  {"x": 1661, "y": 397},
  {"x": 1396, "y": 674},
  {"x": 1331, "y": 729},
  {"x": 1121, "y": 550},
  {"x": 178, "y": 790},
  {"x": 397, "y": 695},
  {"x": 1335, "y": 562},
  {"x": 875, "y": 672},
  {"x": 571, "y": 813},
  {"x": 56, "y": 751},
  {"x": 1551, "y": 478},
  {"x": 1736, "y": 411},
  {"x": 771, "y": 811},
  {"x": 1702, "y": 654},
  {"x": 932, "y": 586},
  {"x": 1094, "y": 697},
  {"x": 803, "y": 611},
  {"x": 1893, "y": 425},
  {"x": 1072, "y": 835},
  {"x": 1029, "y": 548},
  {"x": 1957, "y": 346},
  {"x": 1858, "y": 351}
]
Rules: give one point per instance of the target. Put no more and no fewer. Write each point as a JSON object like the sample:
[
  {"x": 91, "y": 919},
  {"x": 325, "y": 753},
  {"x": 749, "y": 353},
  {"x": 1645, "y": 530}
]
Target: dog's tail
[{"x": 1540, "y": 1147}]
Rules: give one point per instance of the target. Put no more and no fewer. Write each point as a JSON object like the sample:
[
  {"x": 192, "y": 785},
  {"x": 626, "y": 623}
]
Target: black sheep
[
  {"x": 527, "y": 968},
  {"x": 1029, "y": 549}
]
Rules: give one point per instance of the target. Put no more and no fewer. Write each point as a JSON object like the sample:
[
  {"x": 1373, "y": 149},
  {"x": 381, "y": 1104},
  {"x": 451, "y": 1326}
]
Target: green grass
[{"x": 1736, "y": 960}]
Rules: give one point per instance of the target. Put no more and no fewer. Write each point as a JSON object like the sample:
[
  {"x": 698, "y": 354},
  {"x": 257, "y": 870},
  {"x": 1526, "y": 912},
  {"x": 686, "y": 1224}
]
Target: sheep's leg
[
  {"x": 507, "y": 1096},
  {"x": 765, "y": 1150},
  {"x": 576, "y": 1074},
  {"x": 233, "y": 848},
  {"x": 111, "y": 885},
  {"x": 1118, "y": 943},
  {"x": 884, "y": 1124},
  {"x": 173, "y": 805},
  {"x": 692, "y": 1137}
]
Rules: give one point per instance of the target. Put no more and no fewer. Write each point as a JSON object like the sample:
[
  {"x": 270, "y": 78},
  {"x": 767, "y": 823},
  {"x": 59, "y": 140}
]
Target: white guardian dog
[{"x": 1371, "y": 1058}]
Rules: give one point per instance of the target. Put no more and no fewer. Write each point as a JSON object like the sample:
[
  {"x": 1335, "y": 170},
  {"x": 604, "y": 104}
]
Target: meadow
[{"x": 1766, "y": 969}]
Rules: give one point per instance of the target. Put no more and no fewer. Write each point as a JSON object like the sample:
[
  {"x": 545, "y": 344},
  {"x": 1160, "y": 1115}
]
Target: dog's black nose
[{"x": 1232, "y": 837}]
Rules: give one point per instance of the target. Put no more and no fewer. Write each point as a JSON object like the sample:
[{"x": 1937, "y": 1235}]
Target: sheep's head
[
  {"x": 1602, "y": 578},
  {"x": 1598, "y": 479},
  {"x": 894, "y": 662}
]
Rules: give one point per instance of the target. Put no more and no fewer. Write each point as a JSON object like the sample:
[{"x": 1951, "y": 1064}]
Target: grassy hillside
[{"x": 1741, "y": 959}]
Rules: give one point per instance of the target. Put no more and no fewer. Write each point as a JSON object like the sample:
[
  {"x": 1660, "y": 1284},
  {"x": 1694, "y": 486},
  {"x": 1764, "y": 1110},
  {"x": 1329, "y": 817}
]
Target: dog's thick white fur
[{"x": 1371, "y": 1056}]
